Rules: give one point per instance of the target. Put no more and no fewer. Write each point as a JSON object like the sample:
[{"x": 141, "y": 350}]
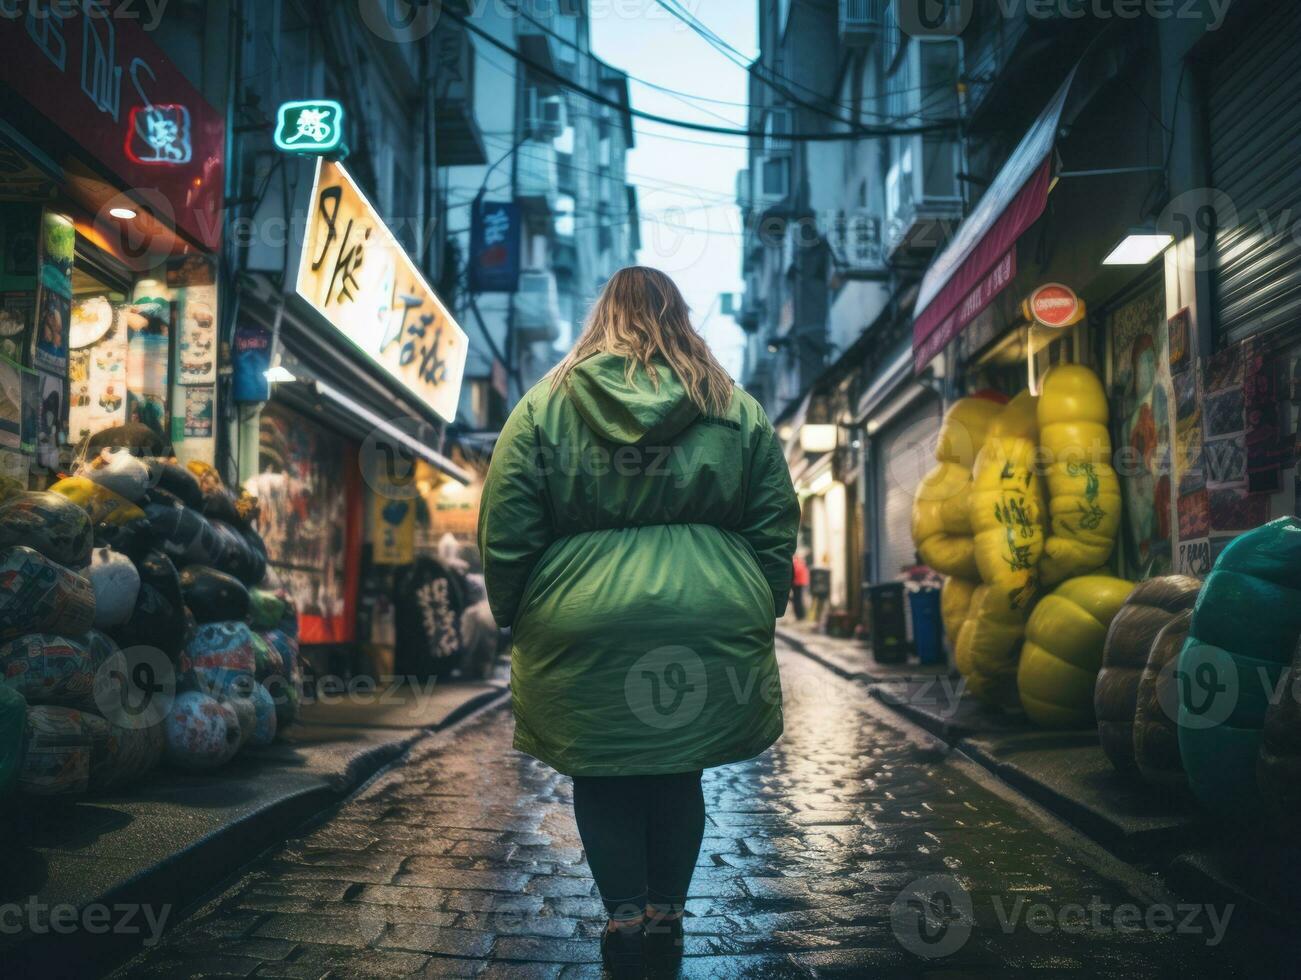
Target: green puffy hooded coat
[{"x": 641, "y": 552}]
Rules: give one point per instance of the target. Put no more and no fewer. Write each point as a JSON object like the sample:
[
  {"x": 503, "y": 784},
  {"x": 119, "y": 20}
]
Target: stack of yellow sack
[
  {"x": 941, "y": 521},
  {"x": 941, "y": 517},
  {"x": 1007, "y": 519},
  {"x": 1083, "y": 490}
]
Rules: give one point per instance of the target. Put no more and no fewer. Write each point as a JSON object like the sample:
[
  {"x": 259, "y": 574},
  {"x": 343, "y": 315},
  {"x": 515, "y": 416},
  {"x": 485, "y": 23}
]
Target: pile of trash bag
[{"x": 136, "y": 570}]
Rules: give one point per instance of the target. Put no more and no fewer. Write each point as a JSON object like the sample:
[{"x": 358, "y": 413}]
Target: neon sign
[
  {"x": 159, "y": 135},
  {"x": 312, "y": 126}
]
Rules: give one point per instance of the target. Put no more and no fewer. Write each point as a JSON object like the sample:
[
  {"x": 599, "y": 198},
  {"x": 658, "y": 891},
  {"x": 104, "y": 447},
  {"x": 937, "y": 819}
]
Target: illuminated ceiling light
[
  {"x": 1139, "y": 247},
  {"x": 817, "y": 438},
  {"x": 279, "y": 373},
  {"x": 126, "y": 214}
]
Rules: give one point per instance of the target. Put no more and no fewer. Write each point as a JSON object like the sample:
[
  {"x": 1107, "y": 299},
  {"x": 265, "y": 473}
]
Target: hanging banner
[
  {"x": 494, "y": 247},
  {"x": 361, "y": 280},
  {"x": 393, "y": 530}
]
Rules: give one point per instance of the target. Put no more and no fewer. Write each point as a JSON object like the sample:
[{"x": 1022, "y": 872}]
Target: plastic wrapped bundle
[
  {"x": 116, "y": 584},
  {"x": 1083, "y": 490},
  {"x": 38, "y": 595},
  {"x": 264, "y": 706},
  {"x": 1278, "y": 767},
  {"x": 266, "y": 609},
  {"x": 212, "y": 595},
  {"x": 988, "y": 642},
  {"x": 58, "y": 746},
  {"x": 1148, "y": 609},
  {"x": 1063, "y": 649},
  {"x": 941, "y": 520},
  {"x": 1244, "y": 628},
  {"x": 220, "y": 660},
  {"x": 118, "y": 471},
  {"x": 48, "y": 669},
  {"x": 1156, "y": 734},
  {"x": 246, "y": 712},
  {"x": 201, "y": 732},
  {"x": 102, "y": 505},
  {"x": 49, "y": 523},
  {"x": 1007, "y": 505},
  {"x": 955, "y": 604},
  {"x": 159, "y": 618}
]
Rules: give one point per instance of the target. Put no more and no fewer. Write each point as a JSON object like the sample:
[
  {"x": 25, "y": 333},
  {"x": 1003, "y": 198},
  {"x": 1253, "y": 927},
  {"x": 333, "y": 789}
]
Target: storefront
[
  {"x": 110, "y": 200},
  {"x": 362, "y": 368}
]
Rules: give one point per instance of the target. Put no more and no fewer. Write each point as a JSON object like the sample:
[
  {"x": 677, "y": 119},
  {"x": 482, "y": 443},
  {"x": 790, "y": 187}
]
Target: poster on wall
[
  {"x": 11, "y": 404},
  {"x": 97, "y": 366},
  {"x": 148, "y": 328},
  {"x": 198, "y": 411},
  {"x": 302, "y": 491},
  {"x": 50, "y": 423},
  {"x": 1224, "y": 421},
  {"x": 17, "y": 310},
  {"x": 393, "y": 529},
  {"x": 57, "y": 247},
  {"x": 197, "y": 335},
  {"x": 1141, "y": 372}
]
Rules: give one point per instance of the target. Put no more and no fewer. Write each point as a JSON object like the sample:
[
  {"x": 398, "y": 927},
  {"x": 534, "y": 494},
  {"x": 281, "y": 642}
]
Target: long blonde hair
[{"x": 641, "y": 315}]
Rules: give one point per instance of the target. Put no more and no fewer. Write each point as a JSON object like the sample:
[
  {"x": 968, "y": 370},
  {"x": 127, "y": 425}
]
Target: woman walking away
[{"x": 637, "y": 528}]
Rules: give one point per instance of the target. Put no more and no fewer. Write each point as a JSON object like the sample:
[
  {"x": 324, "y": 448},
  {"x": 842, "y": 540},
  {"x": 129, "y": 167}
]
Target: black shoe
[
  {"x": 663, "y": 942},
  {"x": 621, "y": 952}
]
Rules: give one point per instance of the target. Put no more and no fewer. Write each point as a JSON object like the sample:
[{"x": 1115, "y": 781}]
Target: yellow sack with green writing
[
  {"x": 102, "y": 504},
  {"x": 1083, "y": 490}
]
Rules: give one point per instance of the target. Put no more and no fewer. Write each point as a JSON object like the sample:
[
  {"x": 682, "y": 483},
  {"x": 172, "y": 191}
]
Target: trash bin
[
  {"x": 889, "y": 625},
  {"x": 928, "y": 637}
]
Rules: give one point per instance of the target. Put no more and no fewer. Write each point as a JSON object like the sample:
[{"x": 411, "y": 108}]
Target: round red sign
[{"x": 1054, "y": 305}]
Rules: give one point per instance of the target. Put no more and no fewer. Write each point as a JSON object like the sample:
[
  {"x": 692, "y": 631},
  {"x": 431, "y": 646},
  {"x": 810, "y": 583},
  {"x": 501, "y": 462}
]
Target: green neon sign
[{"x": 310, "y": 126}]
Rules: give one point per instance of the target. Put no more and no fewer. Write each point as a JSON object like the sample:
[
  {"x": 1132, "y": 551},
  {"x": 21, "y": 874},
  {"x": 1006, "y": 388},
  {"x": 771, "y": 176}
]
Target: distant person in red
[{"x": 799, "y": 582}]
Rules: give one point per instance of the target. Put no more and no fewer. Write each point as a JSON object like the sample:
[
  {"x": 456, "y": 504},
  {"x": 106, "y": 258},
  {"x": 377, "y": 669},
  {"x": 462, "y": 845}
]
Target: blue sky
[{"x": 686, "y": 180}]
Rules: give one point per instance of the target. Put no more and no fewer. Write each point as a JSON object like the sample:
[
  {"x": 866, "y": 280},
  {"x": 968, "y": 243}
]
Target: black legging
[{"x": 642, "y": 835}]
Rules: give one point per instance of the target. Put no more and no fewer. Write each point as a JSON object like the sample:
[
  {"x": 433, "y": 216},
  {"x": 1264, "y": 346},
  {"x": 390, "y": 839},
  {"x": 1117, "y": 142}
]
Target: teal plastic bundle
[{"x": 1244, "y": 628}]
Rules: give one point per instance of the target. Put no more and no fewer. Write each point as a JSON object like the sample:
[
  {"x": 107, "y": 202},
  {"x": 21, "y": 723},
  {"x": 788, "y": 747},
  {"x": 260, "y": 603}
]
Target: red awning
[{"x": 981, "y": 259}]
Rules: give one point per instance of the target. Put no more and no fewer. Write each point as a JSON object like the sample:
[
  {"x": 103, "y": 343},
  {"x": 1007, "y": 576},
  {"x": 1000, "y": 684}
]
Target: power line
[{"x": 546, "y": 72}]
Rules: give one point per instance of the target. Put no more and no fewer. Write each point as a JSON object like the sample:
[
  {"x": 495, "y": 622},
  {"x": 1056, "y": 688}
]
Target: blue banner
[{"x": 495, "y": 247}]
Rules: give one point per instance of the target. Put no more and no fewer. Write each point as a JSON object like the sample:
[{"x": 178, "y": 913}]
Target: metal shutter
[
  {"x": 1255, "y": 140},
  {"x": 904, "y": 453}
]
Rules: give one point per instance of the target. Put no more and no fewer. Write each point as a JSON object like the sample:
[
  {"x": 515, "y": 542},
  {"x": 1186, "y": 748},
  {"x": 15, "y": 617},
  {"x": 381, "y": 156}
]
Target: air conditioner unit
[
  {"x": 774, "y": 178},
  {"x": 777, "y": 130},
  {"x": 860, "y": 20},
  {"x": 546, "y": 115}
]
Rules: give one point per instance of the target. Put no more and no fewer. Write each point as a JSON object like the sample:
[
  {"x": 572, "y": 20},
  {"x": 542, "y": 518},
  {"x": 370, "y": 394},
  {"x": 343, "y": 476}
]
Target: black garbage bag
[
  {"x": 179, "y": 481},
  {"x": 213, "y": 595},
  {"x": 159, "y": 619}
]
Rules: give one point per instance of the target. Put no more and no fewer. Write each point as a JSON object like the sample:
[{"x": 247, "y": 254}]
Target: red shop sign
[
  {"x": 1054, "y": 305},
  {"x": 91, "y": 68}
]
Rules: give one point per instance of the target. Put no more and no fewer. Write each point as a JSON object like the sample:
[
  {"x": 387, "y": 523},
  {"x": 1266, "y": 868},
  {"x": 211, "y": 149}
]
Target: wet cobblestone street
[{"x": 856, "y": 847}]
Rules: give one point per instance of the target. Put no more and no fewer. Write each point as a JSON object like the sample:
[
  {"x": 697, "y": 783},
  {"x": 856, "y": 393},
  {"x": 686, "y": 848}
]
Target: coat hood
[{"x": 633, "y": 414}]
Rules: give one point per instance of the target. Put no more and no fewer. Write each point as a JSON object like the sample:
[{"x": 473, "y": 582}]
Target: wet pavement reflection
[{"x": 856, "y": 847}]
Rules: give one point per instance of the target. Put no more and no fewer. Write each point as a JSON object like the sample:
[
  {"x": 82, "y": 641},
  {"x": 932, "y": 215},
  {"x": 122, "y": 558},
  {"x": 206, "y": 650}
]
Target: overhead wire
[{"x": 544, "y": 71}]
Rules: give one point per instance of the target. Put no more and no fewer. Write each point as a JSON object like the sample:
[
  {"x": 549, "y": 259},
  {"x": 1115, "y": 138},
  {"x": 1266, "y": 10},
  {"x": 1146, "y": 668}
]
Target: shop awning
[
  {"x": 427, "y": 453},
  {"x": 981, "y": 259}
]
